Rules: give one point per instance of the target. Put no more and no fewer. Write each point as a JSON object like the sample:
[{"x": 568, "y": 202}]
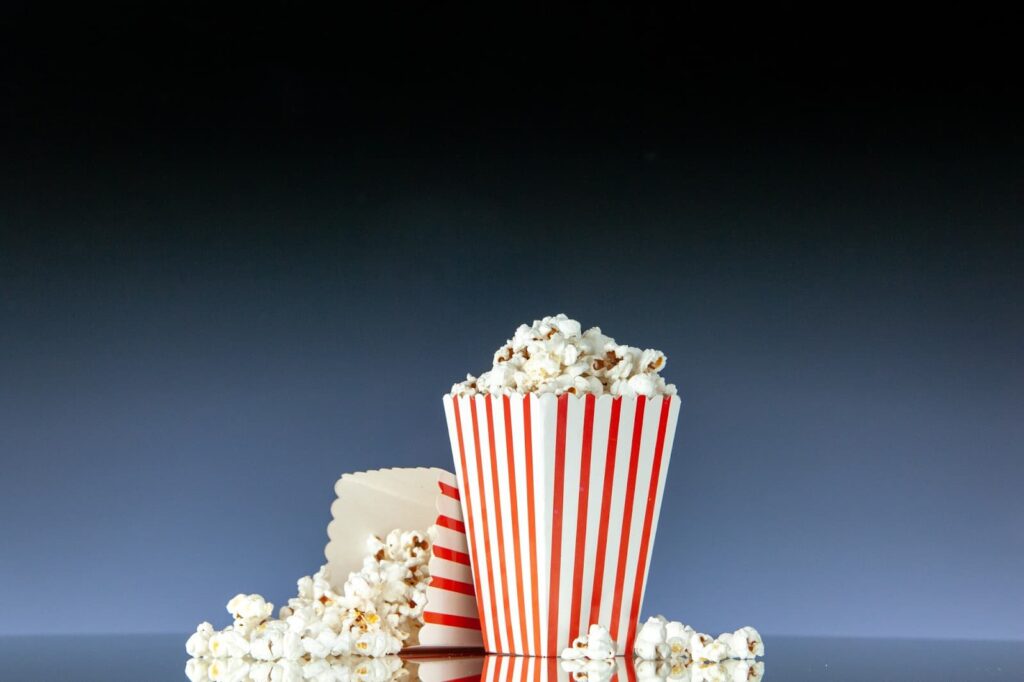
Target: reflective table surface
[{"x": 162, "y": 658}]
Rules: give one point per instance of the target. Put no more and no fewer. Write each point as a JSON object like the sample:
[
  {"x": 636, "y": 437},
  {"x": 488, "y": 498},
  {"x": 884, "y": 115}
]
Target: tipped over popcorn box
[
  {"x": 374, "y": 503},
  {"x": 561, "y": 496}
]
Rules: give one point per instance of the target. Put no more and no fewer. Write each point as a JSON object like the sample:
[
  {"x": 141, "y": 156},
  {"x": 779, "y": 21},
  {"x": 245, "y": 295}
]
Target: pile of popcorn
[
  {"x": 379, "y": 608},
  {"x": 670, "y": 649},
  {"x": 661, "y": 639},
  {"x": 555, "y": 356}
]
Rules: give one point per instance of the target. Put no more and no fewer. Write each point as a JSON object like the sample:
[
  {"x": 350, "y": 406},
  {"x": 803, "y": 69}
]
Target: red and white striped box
[
  {"x": 561, "y": 497},
  {"x": 376, "y": 502}
]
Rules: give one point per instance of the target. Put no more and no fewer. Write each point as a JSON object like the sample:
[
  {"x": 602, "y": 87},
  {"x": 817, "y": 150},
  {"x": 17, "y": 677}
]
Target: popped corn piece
[
  {"x": 744, "y": 643},
  {"x": 597, "y": 644},
  {"x": 198, "y": 644},
  {"x": 650, "y": 643},
  {"x": 704, "y": 648},
  {"x": 228, "y": 644}
]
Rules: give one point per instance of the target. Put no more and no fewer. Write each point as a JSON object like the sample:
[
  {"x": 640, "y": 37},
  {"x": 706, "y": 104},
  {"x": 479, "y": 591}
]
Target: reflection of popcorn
[
  {"x": 555, "y": 356},
  {"x": 743, "y": 671},
  {"x": 651, "y": 671},
  {"x": 593, "y": 670},
  {"x": 596, "y": 645},
  {"x": 343, "y": 669},
  {"x": 196, "y": 669},
  {"x": 379, "y": 607}
]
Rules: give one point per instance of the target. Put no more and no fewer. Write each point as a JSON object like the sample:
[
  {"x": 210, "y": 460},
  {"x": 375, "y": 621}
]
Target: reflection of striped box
[
  {"x": 451, "y": 618},
  {"x": 517, "y": 669},
  {"x": 561, "y": 499}
]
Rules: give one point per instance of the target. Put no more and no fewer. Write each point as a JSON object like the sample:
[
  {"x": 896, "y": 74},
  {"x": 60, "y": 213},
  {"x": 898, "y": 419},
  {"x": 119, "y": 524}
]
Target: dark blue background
[{"x": 234, "y": 267}]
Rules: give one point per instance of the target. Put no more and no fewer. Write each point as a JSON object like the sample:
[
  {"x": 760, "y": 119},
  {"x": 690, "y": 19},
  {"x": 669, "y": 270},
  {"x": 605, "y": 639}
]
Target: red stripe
[
  {"x": 490, "y": 591},
  {"x": 514, "y": 504},
  {"x": 630, "y": 668},
  {"x": 459, "y": 557},
  {"x": 489, "y": 672},
  {"x": 531, "y": 508},
  {"x": 556, "y": 527},
  {"x": 581, "y": 517},
  {"x": 606, "y": 508},
  {"x": 452, "y": 585},
  {"x": 450, "y": 620},
  {"x": 450, "y": 523},
  {"x": 627, "y": 516},
  {"x": 645, "y": 539},
  {"x": 500, "y": 526},
  {"x": 452, "y": 555},
  {"x": 448, "y": 490}
]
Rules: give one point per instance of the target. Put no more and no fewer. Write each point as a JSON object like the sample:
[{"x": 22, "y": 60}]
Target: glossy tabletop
[{"x": 160, "y": 658}]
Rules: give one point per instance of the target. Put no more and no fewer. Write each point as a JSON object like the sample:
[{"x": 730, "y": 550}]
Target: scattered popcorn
[
  {"x": 555, "y": 356},
  {"x": 745, "y": 643},
  {"x": 379, "y": 608},
  {"x": 677, "y": 637},
  {"x": 596, "y": 645},
  {"x": 198, "y": 645},
  {"x": 705, "y": 648},
  {"x": 659, "y": 639},
  {"x": 650, "y": 644},
  {"x": 228, "y": 644}
]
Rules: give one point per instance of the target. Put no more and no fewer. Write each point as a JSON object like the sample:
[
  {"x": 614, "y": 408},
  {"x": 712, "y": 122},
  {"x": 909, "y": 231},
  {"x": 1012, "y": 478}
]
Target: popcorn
[
  {"x": 744, "y": 643},
  {"x": 704, "y": 648},
  {"x": 650, "y": 644},
  {"x": 198, "y": 644},
  {"x": 250, "y": 606},
  {"x": 596, "y": 645},
  {"x": 659, "y": 639},
  {"x": 677, "y": 637},
  {"x": 555, "y": 356},
  {"x": 379, "y": 607},
  {"x": 228, "y": 644}
]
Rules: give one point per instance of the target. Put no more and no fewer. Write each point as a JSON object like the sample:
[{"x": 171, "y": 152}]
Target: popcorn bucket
[
  {"x": 561, "y": 498},
  {"x": 376, "y": 502}
]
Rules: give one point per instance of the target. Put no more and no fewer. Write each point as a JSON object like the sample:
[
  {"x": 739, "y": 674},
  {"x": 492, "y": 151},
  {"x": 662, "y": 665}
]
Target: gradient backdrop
[{"x": 228, "y": 249}]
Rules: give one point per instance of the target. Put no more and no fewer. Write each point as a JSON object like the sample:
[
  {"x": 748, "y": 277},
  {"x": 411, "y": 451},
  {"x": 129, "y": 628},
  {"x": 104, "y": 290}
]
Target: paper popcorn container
[
  {"x": 561, "y": 498},
  {"x": 377, "y": 502}
]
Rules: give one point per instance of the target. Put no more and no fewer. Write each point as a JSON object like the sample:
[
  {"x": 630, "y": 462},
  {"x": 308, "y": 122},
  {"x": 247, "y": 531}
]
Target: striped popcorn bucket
[{"x": 560, "y": 497}]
